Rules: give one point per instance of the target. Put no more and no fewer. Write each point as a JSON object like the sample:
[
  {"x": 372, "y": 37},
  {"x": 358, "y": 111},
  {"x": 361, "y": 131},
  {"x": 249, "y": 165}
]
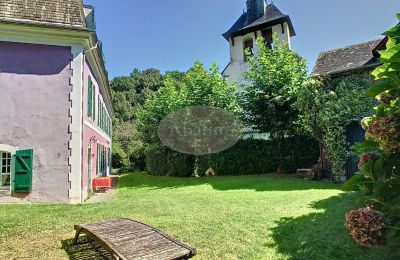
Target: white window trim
[{"x": 12, "y": 150}]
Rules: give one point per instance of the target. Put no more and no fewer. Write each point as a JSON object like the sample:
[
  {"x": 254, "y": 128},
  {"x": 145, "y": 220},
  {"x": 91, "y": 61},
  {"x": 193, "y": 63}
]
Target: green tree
[
  {"x": 274, "y": 78},
  {"x": 129, "y": 93},
  {"x": 199, "y": 87}
]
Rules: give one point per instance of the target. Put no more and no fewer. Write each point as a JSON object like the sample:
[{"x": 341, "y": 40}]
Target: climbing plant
[
  {"x": 379, "y": 179},
  {"x": 328, "y": 105}
]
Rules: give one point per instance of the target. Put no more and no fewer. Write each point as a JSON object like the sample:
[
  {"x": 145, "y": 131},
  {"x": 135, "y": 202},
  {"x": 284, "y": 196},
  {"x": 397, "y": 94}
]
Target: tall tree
[
  {"x": 130, "y": 93},
  {"x": 199, "y": 87},
  {"x": 269, "y": 98}
]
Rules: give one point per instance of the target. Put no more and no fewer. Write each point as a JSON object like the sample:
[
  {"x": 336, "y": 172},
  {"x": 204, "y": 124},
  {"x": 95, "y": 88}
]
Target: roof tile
[
  {"x": 49, "y": 12},
  {"x": 345, "y": 59}
]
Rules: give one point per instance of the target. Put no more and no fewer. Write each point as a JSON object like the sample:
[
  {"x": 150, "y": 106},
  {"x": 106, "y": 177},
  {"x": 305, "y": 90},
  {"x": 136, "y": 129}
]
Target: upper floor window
[
  {"x": 91, "y": 104},
  {"x": 268, "y": 39},
  {"x": 248, "y": 45}
]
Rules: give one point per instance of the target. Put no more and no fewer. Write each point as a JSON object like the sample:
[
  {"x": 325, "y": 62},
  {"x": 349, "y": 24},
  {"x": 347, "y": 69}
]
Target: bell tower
[
  {"x": 261, "y": 19},
  {"x": 255, "y": 9}
]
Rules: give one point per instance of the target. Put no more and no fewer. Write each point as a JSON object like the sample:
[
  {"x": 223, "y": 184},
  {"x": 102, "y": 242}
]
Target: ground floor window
[{"x": 5, "y": 168}]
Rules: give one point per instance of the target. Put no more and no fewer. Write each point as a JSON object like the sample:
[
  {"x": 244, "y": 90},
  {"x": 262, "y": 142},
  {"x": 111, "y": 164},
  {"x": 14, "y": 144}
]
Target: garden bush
[
  {"x": 157, "y": 160},
  {"x": 162, "y": 161},
  {"x": 378, "y": 182},
  {"x": 247, "y": 157},
  {"x": 252, "y": 156}
]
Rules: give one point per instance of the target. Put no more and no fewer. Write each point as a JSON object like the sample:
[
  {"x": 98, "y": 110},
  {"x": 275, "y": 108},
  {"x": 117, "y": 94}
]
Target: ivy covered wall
[{"x": 328, "y": 105}]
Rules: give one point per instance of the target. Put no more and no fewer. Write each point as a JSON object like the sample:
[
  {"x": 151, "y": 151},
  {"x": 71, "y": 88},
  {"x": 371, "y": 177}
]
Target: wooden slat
[{"x": 128, "y": 239}]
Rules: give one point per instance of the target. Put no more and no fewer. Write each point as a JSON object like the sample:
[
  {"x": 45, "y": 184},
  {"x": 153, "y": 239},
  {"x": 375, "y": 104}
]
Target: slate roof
[
  {"x": 64, "y": 13},
  {"x": 350, "y": 58},
  {"x": 271, "y": 17}
]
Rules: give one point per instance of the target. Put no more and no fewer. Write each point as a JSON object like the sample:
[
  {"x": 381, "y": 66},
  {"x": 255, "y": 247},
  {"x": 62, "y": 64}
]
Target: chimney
[{"x": 255, "y": 9}]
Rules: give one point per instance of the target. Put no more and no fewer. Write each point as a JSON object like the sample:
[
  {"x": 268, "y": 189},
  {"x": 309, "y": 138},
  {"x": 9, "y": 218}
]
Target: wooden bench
[{"x": 127, "y": 239}]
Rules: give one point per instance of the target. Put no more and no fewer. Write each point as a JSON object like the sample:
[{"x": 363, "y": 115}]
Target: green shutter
[
  {"x": 98, "y": 110},
  {"x": 94, "y": 103},
  {"x": 90, "y": 100},
  {"x": 23, "y": 171},
  {"x": 101, "y": 116},
  {"x": 98, "y": 160}
]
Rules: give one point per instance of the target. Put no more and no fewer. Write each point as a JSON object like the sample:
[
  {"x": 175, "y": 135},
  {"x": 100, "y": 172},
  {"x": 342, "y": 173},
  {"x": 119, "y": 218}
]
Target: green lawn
[{"x": 249, "y": 217}]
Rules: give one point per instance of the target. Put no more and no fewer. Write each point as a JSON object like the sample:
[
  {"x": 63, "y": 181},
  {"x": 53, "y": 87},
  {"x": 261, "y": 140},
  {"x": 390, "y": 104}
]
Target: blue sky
[{"x": 172, "y": 34}]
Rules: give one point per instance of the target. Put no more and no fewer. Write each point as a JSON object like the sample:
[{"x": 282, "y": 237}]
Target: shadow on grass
[
  {"x": 268, "y": 182},
  {"x": 86, "y": 249},
  {"x": 322, "y": 235}
]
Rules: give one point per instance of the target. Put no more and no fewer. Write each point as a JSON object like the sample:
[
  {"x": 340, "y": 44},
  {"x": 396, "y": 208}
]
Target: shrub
[
  {"x": 367, "y": 226},
  {"x": 119, "y": 157},
  {"x": 157, "y": 160},
  {"x": 180, "y": 165},
  {"x": 251, "y": 156},
  {"x": 378, "y": 182},
  {"x": 162, "y": 161}
]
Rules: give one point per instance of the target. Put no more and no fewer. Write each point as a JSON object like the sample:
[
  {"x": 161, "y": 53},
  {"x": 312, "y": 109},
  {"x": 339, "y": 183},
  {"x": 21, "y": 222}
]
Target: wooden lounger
[{"x": 128, "y": 239}]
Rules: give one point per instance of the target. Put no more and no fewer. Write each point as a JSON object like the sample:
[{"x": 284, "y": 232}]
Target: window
[
  {"x": 267, "y": 35},
  {"x": 5, "y": 168},
  {"x": 248, "y": 44}
]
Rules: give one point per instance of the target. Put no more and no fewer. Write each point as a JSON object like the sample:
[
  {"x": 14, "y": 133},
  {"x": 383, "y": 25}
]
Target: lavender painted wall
[{"x": 34, "y": 105}]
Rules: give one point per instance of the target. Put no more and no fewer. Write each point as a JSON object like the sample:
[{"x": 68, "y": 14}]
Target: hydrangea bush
[
  {"x": 367, "y": 226},
  {"x": 378, "y": 182}
]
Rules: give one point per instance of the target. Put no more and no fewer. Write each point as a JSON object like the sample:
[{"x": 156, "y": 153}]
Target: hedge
[
  {"x": 251, "y": 156},
  {"x": 161, "y": 161},
  {"x": 247, "y": 157}
]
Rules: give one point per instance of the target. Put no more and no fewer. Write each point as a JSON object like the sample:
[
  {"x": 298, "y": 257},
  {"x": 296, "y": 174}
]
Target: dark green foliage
[
  {"x": 328, "y": 106},
  {"x": 198, "y": 87},
  {"x": 253, "y": 156},
  {"x": 379, "y": 185},
  {"x": 129, "y": 95},
  {"x": 162, "y": 161},
  {"x": 180, "y": 165},
  {"x": 157, "y": 160},
  {"x": 274, "y": 78},
  {"x": 119, "y": 157}
]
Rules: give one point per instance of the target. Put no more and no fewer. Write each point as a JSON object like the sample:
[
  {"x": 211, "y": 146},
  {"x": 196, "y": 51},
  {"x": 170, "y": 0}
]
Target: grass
[{"x": 249, "y": 217}]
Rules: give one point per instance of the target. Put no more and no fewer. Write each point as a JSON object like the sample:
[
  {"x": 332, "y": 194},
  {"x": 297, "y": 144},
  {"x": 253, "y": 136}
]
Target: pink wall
[{"x": 91, "y": 130}]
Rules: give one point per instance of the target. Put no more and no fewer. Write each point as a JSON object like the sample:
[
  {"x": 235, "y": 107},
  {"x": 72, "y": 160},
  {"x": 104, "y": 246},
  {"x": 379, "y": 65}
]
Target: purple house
[{"x": 55, "y": 102}]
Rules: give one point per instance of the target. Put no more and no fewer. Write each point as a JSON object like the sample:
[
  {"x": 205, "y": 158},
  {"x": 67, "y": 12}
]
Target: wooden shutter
[
  {"x": 90, "y": 100},
  {"x": 23, "y": 171},
  {"x": 98, "y": 110},
  {"x": 94, "y": 102}
]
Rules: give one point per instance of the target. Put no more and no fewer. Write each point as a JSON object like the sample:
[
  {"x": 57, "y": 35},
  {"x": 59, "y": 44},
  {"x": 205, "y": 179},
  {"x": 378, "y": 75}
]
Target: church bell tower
[{"x": 261, "y": 19}]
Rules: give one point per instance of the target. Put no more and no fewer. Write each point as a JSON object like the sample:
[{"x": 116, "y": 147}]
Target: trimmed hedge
[
  {"x": 251, "y": 156},
  {"x": 247, "y": 157},
  {"x": 161, "y": 161}
]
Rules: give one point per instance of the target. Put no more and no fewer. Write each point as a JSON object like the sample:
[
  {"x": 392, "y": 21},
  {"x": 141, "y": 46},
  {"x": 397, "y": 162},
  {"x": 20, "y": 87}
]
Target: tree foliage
[
  {"x": 327, "y": 107},
  {"x": 274, "y": 78},
  {"x": 129, "y": 93},
  {"x": 379, "y": 179},
  {"x": 199, "y": 87}
]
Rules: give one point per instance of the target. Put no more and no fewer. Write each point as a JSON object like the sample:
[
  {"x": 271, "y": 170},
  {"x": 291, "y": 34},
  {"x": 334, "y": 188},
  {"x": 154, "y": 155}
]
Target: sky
[{"x": 173, "y": 34}]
